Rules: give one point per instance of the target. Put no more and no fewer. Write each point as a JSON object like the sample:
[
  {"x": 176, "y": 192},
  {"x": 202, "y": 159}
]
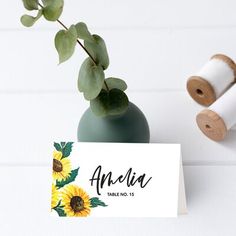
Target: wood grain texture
[
  {"x": 212, "y": 125},
  {"x": 211, "y": 193},
  {"x": 145, "y": 59},
  {"x": 201, "y": 90},
  {"x": 31, "y": 122}
]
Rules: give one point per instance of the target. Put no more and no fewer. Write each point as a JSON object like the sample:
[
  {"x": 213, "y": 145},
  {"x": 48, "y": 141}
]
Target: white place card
[{"x": 117, "y": 180}]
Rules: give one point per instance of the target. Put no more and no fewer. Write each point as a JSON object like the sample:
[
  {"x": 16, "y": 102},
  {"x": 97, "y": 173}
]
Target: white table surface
[{"x": 25, "y": 207}]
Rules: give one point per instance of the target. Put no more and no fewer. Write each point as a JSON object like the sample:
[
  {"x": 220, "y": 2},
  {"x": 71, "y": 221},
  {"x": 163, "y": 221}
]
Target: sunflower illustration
[
  {"x": 55, "y": 196},
  {"x": 61, "y": 166},
  {"x": 76, "y": 201}
]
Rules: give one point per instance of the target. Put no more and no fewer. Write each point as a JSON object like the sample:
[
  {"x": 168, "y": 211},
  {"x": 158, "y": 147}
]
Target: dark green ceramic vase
[{"x": 130, "y": 127}]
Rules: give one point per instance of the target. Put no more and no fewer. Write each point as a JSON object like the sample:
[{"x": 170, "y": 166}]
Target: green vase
[{"x": 130, "y": 127}]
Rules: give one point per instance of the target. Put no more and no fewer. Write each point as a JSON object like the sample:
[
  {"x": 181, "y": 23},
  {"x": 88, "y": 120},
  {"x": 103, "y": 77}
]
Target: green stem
[
  {"x": 66, "y": 28},
  {"x": 106, "y": 85}
]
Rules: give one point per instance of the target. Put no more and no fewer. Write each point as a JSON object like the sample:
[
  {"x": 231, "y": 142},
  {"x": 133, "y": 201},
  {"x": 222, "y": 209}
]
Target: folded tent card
[{"x": 117, "y": 180}]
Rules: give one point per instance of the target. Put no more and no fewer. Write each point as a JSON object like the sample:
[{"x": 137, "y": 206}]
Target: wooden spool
[
  {"x": 201, "y": 90},
  {"x": 212, "y": 125}
]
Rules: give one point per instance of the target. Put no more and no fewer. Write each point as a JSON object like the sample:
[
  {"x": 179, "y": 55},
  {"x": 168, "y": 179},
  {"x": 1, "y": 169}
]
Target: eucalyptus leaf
[
  {"x": 115, "y": 83},
  {"x": 97, "y": 48},
  {"x": 112, "y": 102},
  {"x": 28, "y": 20},
  {"x": 82, "y": 32},
  {"x": 30, "y": 4},
  {"x": 90, "y": 80},
  {"x": 65, "y": 41},
  {"x": 52, "y": 9}
]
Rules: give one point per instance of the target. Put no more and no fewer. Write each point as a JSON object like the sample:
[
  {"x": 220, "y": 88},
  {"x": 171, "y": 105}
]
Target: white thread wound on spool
[
  {"x": 219, "y": 74},
  {"x": 225, "y": 107}
]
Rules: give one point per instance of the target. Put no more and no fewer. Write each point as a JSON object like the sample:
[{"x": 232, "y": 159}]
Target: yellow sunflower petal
[
  {"x": 54, "y": 196},
  {"x": 68, "y": 193},
  {"x": 64, "y": 170},
  {"x": 57, "y": 155}
]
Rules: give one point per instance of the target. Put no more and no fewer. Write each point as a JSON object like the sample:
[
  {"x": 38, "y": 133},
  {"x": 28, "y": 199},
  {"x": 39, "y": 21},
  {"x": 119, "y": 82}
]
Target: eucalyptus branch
[
  {"x": 89, "y": 54},
  {"x": 66, "y": 28},
  {"x": 106, "y": 95}
]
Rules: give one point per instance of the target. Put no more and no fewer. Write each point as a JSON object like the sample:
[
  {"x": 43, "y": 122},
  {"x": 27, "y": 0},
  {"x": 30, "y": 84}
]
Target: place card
[{"x": 117, "y": 180}]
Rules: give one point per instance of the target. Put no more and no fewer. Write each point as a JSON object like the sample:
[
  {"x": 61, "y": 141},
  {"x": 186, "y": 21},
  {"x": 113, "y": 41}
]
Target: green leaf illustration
[
  {"x": 115, "y": 83},
  {"x": 30, "y": 4},
  {"x": 66, "y": 149},
  {"x": 95, "y": 201},
  {"x": 65, "y": 41},
  {"x": 90, "y": 80},
  {"x": 69, "y": 179},
  {"x": 52, "y": 9},
  {"x": 57, "y": 147},
  {"x": 97, "y": 48},
  {"x": 82, "y": 32},
  {"x": 59, "y": 209},
  {"x": 112, "y": 102},
  {"x": 63, "y": 144},
  {"x": 28, "y": 20}
]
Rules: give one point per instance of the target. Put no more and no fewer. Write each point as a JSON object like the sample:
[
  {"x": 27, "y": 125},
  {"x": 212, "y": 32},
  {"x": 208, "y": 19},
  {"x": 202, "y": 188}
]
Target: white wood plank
[
  {"x": 211, "y": 193},
  {"x": 31, "y": 62},
  {"x": 30, "y": 123},
  {"x": 155, "y": 59},
  {"x": 133, "y": 13}
]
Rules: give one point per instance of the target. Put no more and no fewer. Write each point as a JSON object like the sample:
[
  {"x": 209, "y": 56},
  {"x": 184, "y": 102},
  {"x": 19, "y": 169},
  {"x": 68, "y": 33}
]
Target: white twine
[
  {"x": 218, "y": 74},
  {"x": 225, "y": 107}
]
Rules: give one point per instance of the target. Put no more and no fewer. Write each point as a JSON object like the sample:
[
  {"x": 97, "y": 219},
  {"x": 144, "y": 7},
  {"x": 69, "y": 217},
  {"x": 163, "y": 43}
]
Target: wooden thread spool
[
  {"x": 212, "y": 80},
  {"x": 220, "y": 117}
]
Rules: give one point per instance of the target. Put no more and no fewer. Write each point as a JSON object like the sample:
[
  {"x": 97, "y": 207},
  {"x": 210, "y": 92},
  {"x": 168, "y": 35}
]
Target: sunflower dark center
[
  {"x": 77, "y": 203},
  {"x": 57, "y": 166}
]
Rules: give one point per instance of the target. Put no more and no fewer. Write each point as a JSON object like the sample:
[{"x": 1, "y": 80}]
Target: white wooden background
[{"x": 154, "y": 45}]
